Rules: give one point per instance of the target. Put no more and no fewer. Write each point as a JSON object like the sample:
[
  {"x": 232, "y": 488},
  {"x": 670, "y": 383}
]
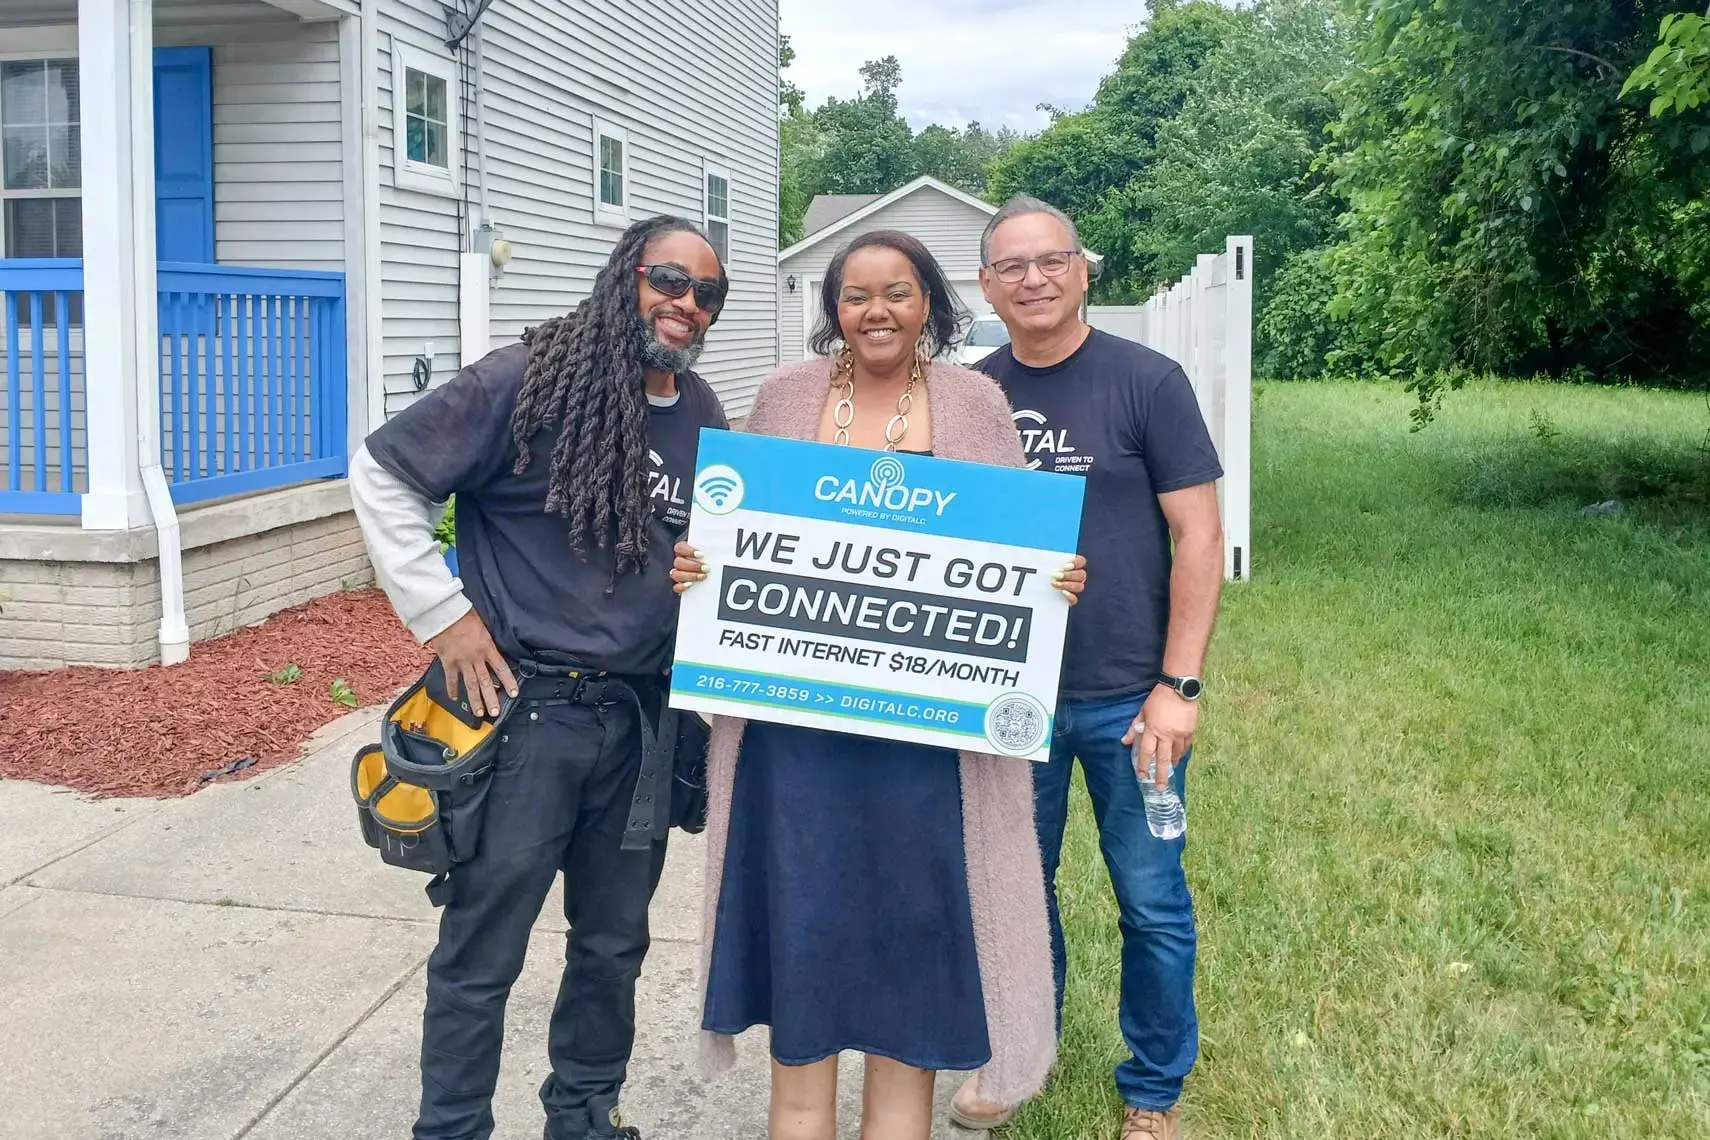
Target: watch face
[{"x": 1191, "y": 688}]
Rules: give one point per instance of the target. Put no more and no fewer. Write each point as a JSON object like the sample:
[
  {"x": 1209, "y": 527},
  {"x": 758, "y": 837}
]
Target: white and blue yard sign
[{"x": 897, "y": 596}]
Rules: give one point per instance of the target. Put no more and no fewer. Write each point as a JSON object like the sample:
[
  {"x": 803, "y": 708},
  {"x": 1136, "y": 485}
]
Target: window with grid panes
[
  {"x": 611, "y": 171},
  {"x": 41, "y": 164},
  {"x": 718, "y": 213},
  {"x": 427, "y": 127}
]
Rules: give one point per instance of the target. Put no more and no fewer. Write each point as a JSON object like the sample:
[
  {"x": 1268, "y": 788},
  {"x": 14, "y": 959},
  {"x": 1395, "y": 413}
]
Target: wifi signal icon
[{"x": 719, "y": 489}]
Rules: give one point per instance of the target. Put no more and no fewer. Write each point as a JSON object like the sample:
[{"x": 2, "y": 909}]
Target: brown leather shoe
[
  {"x": 967, "y": 1110},
  {"x": 1139, "y": 1124}
]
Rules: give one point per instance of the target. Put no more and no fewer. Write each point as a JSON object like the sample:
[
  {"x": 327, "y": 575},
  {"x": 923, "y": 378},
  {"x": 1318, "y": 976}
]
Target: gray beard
[{"x": 659, "y": 355}]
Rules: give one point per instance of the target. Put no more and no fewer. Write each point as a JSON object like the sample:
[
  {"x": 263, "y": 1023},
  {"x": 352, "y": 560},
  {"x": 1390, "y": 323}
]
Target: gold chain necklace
[{"x": 843, "y": 415}]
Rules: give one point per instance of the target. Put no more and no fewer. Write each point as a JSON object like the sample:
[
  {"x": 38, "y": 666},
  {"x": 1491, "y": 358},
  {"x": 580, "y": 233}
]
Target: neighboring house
[
  {"x": 240, "y": 234},
  {"x": 948, "y": 220}
]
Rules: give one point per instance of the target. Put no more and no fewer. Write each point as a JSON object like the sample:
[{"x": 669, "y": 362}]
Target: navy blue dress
[{"x": 843, "y": 918}]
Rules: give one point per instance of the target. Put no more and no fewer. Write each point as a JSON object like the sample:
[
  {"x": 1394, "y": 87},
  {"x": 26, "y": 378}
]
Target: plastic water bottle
[{"x": 1165, "y": 814}]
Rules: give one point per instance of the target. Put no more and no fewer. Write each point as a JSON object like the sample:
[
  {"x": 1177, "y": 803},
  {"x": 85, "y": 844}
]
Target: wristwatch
[{"x": 1189, "y": 687}]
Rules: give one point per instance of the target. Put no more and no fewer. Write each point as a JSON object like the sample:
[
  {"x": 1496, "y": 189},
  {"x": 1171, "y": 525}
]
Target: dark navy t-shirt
[
  {"x": 538, "y": 599},
  {"x": 1124, "y": 418}
]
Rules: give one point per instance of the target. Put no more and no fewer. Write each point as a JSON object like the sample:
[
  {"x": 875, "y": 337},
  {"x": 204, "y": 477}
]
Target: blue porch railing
[
  {"x": 252, "y": 381},
  {"x": 43, "y": 390},
  {"x": 252, "y": 378}
]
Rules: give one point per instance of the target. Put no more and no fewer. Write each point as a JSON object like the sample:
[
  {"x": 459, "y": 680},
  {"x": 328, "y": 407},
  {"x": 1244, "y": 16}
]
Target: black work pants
[{"x": 559, "y": 800}]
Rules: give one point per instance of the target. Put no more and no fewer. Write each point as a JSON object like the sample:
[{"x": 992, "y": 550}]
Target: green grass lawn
[{"x": 1449, "y": 821}]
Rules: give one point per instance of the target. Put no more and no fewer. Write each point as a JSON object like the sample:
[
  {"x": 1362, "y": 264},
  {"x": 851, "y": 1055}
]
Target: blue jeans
[{"x": 1156, "y": 1010}]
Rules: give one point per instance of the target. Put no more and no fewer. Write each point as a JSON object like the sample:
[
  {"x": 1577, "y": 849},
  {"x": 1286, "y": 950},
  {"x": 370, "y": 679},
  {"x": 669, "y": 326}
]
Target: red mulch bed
[{"x": 168, "y": 731}]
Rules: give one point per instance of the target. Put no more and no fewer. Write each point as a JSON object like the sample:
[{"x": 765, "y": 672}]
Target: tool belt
[
  {"x": 671, "y": 790},
  {"x": 421, "y": 792}
]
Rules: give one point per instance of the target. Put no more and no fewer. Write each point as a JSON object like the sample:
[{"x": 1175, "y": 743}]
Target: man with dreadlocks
[{"x": 569, "y": 455}]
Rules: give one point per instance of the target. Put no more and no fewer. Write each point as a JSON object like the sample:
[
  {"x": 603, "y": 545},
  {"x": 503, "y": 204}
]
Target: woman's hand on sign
[
  {"x": 688, "y": 569},
  {"x": 1071, "y": 579}
]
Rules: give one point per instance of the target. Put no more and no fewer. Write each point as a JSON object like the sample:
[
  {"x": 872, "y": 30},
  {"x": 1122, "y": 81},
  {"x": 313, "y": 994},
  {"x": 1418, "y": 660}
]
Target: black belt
[{"x": 649, "y": 810}]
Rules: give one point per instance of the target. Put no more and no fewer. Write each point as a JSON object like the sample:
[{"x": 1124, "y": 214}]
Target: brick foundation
[{"x": 98, "y": 602}]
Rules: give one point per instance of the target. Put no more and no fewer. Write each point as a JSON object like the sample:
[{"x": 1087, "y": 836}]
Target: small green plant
[
  {"x": 1544, "y": 427},
  {"x": 286, "y": 676},
  {"x": 446, "y": 531},
  {"x": 343, "y": 694}
]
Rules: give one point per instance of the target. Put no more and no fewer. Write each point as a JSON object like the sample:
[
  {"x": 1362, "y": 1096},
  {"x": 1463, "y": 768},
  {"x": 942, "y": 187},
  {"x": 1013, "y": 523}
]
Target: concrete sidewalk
[{"x": 238, "y": 964}]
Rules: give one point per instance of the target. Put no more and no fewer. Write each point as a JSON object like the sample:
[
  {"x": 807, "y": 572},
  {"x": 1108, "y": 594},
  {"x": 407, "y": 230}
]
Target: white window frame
[
  {"x": 41, "y": 44},
  {"x": 606, "y": 214},
  {"x": 423, "y": 176},
  {"x": 39, "y": 55},
  {"x": 709, "y": 171}
]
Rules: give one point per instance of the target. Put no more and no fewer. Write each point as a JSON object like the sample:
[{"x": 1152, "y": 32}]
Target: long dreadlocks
[{"x": 585, "y": 375}]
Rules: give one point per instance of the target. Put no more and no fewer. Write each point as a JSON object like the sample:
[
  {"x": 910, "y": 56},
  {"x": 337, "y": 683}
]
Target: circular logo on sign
[
  {"x": 1017, "y": 724},
  {"x": 887, "y": 472},
  {"x": 718, "y": 489}
]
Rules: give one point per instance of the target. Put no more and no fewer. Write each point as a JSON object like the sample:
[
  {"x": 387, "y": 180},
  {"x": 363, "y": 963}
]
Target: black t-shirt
[
  {"x": 1125, "y": 418},
  {"x": 538, "y": 599}
]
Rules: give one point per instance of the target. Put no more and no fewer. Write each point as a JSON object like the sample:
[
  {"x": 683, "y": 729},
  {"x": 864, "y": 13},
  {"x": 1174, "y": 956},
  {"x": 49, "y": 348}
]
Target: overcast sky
[{"x": 990, "y": 60}]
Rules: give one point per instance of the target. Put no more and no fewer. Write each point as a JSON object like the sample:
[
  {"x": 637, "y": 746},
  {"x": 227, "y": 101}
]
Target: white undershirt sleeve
[{"x": 397, "y": 524}]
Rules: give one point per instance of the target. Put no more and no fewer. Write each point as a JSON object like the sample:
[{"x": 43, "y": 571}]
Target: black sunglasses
[{"x": 673, "y": 282}]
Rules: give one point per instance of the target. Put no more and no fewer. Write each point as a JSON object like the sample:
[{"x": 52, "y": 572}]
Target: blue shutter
[{"x": 184, "y": 154}]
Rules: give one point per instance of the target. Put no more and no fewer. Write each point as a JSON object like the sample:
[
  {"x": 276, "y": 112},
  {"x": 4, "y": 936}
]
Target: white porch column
[{"x": 115, "y": 497}]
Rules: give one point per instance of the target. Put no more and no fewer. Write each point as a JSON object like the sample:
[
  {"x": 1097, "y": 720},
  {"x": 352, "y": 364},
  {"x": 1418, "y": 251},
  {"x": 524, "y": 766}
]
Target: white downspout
[
  {"x": 174, "y": 630},
  {"x": 481, "y": 122},
  {"x": 475, "y": 264}
]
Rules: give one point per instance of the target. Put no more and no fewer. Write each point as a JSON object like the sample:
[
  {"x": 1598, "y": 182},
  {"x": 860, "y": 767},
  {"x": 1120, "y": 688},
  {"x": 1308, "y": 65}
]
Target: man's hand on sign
[
  {"x": 1071, "y": 579},
  {"x": 1165, "y": 729},
  {"x": 471, "y": 662},
  {"x": 688, "y": 569}
]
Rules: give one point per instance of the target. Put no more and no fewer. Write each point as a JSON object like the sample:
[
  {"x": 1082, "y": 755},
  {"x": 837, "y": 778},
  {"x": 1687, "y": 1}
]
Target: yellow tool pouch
[
  {"x": 421, "y": 793},
  {"x": 401, "y": 820}
]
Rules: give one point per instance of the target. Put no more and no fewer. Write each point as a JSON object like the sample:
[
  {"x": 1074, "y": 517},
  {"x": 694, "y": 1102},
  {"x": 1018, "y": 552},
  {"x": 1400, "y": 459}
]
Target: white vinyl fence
[{"x": 1204, "y": 322}]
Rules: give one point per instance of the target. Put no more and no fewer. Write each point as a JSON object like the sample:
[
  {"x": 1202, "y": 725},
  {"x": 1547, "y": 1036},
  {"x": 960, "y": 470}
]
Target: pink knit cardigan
[{"x": 1006, "y": 886}]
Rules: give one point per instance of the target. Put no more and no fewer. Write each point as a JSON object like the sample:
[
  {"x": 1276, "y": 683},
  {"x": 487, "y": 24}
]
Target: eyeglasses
[
  {"x": 673, "y": 282},
  {"x": 1013, "y": 269}
]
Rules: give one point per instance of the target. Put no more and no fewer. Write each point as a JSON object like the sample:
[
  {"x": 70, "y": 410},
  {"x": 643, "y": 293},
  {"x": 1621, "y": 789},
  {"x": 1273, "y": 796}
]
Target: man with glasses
[
  {"x": 570, "y": 456},
  {"x": 1124, "y": 418}
]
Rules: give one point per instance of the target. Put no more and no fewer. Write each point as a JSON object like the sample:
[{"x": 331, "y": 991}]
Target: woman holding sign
[{"x": 866, "y": 894}]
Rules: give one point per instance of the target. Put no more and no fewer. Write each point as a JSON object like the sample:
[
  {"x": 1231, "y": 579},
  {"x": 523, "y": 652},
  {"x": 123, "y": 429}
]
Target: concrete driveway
[{"x": 238, "y": 965}]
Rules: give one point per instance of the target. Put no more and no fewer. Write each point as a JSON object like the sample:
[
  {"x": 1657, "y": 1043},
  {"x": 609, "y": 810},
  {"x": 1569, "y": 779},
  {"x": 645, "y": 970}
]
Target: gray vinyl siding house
[
  {"x": 555, "y": 69},
  {"x": 949, "y": 221},
  {"x": 347, "y": 207}
]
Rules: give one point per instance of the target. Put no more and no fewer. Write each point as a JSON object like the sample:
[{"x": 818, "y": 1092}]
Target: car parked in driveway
[{"x": 985, "y": 335}]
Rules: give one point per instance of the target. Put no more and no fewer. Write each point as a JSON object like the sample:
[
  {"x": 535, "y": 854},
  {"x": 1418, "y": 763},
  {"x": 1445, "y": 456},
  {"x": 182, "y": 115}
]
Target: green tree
[
  {"x": 800, "y": 146},
  {"x": 1508, "y": 211},
  {"x": 867, "y": 148},
  {"x": 790, "y": 97},
  {"x": 1239, "y": 155},
  {"x": 1678, "y": 68},
  {"x": 962, "y": 158},
  {"x": 1092, "y": 164}
]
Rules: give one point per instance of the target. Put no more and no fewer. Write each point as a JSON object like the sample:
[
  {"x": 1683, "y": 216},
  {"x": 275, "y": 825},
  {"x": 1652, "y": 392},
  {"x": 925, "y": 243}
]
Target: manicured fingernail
[
  {"x": 1058, "y": 576},
  {"x": 1067, "y": 595},
  {"x": 699, "y": 557},
  {"x": 1067, "y": 566},
  {"x": 702, "y": 577}
]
